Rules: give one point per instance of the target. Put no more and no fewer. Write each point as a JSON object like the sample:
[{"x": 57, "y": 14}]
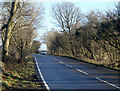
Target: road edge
[{"x": 40, "y": 73}]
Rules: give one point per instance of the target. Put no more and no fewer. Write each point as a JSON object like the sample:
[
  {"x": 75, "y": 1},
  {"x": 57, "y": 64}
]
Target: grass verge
[{"x": 20, "y": 75}]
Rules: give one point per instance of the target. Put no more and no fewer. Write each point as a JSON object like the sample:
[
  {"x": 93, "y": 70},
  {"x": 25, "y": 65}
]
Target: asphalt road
[{"x": 62, "y": 73}]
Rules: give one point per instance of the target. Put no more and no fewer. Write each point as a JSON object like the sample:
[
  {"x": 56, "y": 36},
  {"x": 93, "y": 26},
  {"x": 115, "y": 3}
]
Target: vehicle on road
[{"x": 43, "y": 52}]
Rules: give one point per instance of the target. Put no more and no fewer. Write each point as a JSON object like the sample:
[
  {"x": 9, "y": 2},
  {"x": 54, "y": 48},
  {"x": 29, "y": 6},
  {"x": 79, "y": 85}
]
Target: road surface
[{"x": 62, "y": 73}]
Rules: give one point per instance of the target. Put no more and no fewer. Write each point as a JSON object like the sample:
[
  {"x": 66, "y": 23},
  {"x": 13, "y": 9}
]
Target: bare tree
[
  {"x": 8, "y": 29},
  {"x": 67, "y": 16},
  {"x": 18, "y": 20}
]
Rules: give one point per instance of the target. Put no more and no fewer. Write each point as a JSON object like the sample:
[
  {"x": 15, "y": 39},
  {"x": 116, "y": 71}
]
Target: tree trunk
[
  {"x": 6, "y": 42},
  {"x": 5, "y": 52}
]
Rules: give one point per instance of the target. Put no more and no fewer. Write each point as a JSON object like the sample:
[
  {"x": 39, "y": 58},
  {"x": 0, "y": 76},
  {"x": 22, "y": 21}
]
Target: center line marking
[
  {"x": 60, "y": 62},
  {"x": 82, "y": 71},
  {"x": 68, "y": 65},
  {"x": 107, "y": 82},
  {"x": 54, "y": 58}
]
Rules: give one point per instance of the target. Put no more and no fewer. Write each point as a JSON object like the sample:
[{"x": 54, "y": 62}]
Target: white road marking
[
  {"x": 82, "y": 71},
  {"x": 60, "y": 62},
  {"x": 107, "y": 82},
  {"x": 57, "y": 60},
  {"x": 68, "y": 65},
  {"x": 54, "y": 59},
  {"x": 46, "y": 85}
]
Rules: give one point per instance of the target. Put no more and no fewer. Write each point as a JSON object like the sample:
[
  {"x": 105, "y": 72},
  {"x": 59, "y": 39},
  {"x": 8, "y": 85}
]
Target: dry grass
[{"x": 20, "y": 75}]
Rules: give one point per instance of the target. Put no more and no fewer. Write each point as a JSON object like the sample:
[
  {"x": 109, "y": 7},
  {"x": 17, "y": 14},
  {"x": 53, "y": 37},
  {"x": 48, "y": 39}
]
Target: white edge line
[
  {"x": 46, "y": 85},
  {"x": 107, "y": 82},
  {"x": 82, "y": 71}
]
